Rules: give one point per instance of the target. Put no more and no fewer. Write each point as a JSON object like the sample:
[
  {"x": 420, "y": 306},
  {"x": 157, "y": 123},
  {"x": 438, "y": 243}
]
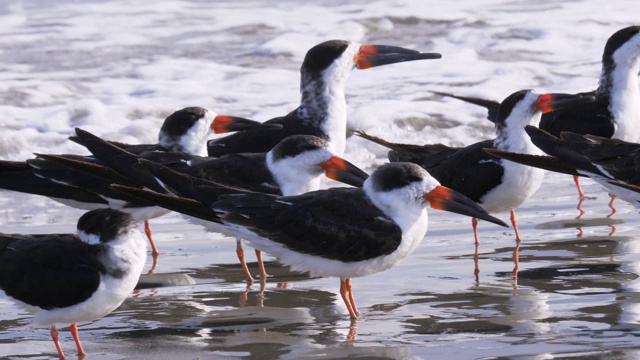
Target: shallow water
[
  {"x": 575, "y": 295},
  {"x": 117, "y": 68}
]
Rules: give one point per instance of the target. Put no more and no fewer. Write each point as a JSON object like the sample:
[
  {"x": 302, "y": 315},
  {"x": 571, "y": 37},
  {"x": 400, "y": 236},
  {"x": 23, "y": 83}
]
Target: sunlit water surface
[{"x": 117, "y": 68}]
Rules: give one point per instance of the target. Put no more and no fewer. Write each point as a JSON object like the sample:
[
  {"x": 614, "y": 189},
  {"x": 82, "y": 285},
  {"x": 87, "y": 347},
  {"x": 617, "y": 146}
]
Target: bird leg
[
  {"x": 514, "y": 222},
  {"x": 474, "y": 224},
  {"x": 54, "y": 337},
  {"x": 263, "y": 271},
  {"x": 147, "y": 230},
  {"x": 579, "y": 207},
  {"x": 74, "y": 333},
  {"x": 154, "y": 264},
  {"x": 576, "y": 179},
  {"x": 346, "y": 291},
  {"x": 613, "y": 209},
  {"x": 476, "y": 262},
  {"x": 240, "y": 253},
  {"x": 516, "y": 264}
]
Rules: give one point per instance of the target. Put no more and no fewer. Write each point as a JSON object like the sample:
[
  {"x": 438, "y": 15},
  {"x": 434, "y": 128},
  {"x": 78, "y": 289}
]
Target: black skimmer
[
  {"x": 346, "y": 232},
  {"x": 185, "y": 130},
  {"x": 292, "y": 167},
  {"x": 610, "y": 162},
  {"x": 615, "y": 113},
  {"x": 70, "y": 278},
  {"x": 497, "y": 186},
  {"x": 323, "y": 109}
]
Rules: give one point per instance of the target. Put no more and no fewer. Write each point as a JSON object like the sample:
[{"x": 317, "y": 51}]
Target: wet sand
[{"x": 575, "y": 295}]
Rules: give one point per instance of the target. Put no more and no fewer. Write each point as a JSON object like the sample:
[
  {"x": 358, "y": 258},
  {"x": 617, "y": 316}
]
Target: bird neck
[
  {"x": 620, "y": 86},
  {"x": 513, "y": 138},
  {"x": 324, "y": 107},
  {"x": 125, "y": 256},
  {"x": 193, "y": 142},
  {"x": 401, "y": 206},
  {"x": 293, "y": 182}
]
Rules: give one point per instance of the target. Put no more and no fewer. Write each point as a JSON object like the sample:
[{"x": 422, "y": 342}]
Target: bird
[
  {"x": 292, "y": 167},
  {"x": 184, "y": 130},
  {"x": 323, "y": 109},
  {"x": 615, "y": 113},
  {"x": 613, "y": 163},
  {"x": 339, "y": 232},
  {"x": 346, "y": 232},
  {"x": 70, "y": 278},
  {"x": 497, "y": 186}
]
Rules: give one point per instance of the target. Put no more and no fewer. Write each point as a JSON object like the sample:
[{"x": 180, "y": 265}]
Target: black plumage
[{"x": 307, "y": 223}]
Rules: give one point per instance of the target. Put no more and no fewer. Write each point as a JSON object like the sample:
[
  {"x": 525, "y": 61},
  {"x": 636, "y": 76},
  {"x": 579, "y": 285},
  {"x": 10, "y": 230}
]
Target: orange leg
[
  {"x": 613, "y": 209},
  {"x": 514, "y": 222},
  {"x": 346, "y": 291},
  {"x": 474, "y": 224},
  {"x": 263, "y": 286},
  {"x": 576, "y": 179},
  {"x": 516, "y": 264},
  {"x": 240, "y": 253},
  {"x": 353, "y": 330},
  {"x": 351, "y": 299},
  {"x": 147, "y": 230},
  {"x": 154, "y": 264},
  {"x": 579, "y": 207},
  {"x": 244, "y": 296},
  {"x": 476, "y": 261},
  {"x": 263, "y": 271},
  {"x": 74, "y": 333},
  {"x": 54, "y": 337}
]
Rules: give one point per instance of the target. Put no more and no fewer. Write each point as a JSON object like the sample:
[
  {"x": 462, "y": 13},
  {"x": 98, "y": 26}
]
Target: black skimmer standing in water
[
  {"x": 497, "y": 186},
  {"x": 615, "y": 164},
  {"x": 185, "y": 130},
  {"x": 67, "y": 278},
  {"x": 346, "y": 232},
  {"x": 615, "y": 113},
  {"x": 323, "y": 109},
  {"x": 292, "y": 167}
]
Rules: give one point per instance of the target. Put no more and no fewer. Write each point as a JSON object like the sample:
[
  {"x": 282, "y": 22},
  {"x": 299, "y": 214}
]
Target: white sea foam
[{"x": 118, "y": 68}]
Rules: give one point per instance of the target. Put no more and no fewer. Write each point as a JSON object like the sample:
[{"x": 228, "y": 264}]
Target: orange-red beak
[
  {"x": 224, "y": 123},
  {"x": 550, "y": 102},
  {"x": 339, "y": 169},
  {"x": 443, "y": 198},
  {"x": 369, "y": 56}
]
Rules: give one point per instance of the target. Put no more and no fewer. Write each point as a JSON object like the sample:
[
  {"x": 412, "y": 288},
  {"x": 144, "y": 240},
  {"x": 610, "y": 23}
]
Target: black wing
[
  {"x": 20, "y": 176},
  {"x": 340, "y": 224},
  {"x": 132, "y": 148},
  {"x": 244, "y": 171},
  {"x": 48, "y": 271},
  {"x": 122, "y": 161},
  {"x": 470, "y": 171},
  {"x": 179, "y": 204},
  {"x": 82, "y": 176},
  {"x": 610, "y": 158},
  {"x": 587, "y": 118},
  {"x": 263, "y": 137},
  {"x": 544, "y": 162},
  {"x": 427, "y": 156},
  {"x": 491, "y": 105}
]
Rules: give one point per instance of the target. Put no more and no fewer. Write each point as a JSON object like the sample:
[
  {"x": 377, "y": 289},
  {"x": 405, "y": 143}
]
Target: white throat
[
  {"x": 625, "y": 100},
  {"x": 296, "y": 175}
]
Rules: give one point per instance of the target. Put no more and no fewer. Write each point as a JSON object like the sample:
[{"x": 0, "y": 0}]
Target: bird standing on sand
[
  {"x": 346, "y": 232},
  {"x": 67, "y": 278},
  {"x": 615, "y": 113},
  {"x": 185, "y": 130},
  {"x": 323, "y": 108},
  {"x": 496, "y": 185}
]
